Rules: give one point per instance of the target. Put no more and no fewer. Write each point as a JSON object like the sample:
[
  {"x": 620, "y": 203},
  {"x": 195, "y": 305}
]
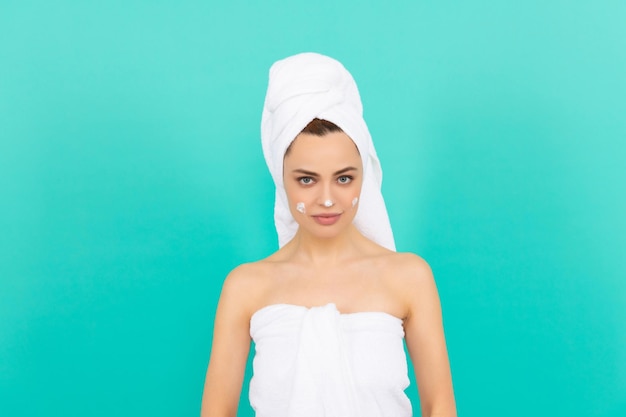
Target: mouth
[{"x": 326, "y": 219}]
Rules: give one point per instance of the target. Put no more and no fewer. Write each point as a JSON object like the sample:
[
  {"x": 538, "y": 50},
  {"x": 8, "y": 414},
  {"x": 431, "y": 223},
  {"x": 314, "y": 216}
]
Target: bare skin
[{"x": 329, "y": 264}]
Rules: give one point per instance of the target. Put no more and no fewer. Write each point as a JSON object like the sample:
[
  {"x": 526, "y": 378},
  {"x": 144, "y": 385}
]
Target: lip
[{"x": 327, "y": 219}]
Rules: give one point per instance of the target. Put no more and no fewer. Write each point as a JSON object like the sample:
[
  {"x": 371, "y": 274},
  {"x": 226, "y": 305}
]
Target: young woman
[{"x": 329, "y": 310}]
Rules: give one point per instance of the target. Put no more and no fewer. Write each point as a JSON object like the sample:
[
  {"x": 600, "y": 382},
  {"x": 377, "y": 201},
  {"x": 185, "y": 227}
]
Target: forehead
[{"x": 335, "y": 148}]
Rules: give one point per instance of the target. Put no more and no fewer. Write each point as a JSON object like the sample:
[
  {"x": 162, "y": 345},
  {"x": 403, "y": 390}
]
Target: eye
[
  {"x": 344, "y": 179},
  {"x": 305, "y": 180}
]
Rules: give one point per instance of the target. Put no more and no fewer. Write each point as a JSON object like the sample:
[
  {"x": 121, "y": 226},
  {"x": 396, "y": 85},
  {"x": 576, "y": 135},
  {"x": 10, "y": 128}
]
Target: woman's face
[{"x": 323, "y": 177}]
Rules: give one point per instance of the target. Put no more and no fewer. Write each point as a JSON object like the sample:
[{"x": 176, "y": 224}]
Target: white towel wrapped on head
[{"x": 308, "y": 86}]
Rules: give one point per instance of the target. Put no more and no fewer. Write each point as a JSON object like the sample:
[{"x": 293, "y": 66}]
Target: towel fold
[
  {"x": 314, "y": 362},
  {"x": 308, "y": 86}
]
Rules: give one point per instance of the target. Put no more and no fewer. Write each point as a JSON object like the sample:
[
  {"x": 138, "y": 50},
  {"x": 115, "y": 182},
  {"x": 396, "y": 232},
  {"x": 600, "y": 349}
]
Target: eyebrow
[{"x": 314, "y": 174}]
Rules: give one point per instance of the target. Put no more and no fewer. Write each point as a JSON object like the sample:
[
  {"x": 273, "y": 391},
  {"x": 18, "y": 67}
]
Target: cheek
[
  {"x": 293, "y": 194},
  {"x": 297, "y": 199},
  {"x": 353, "y": 194}
]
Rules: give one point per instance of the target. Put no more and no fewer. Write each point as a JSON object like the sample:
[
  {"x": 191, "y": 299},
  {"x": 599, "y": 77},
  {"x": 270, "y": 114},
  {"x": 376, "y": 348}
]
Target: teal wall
[{"x": 132, "y": 181}]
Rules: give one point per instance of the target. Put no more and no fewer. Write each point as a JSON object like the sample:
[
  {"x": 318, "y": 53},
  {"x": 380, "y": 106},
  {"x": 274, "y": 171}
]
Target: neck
[{"x": 325, "y": 251}]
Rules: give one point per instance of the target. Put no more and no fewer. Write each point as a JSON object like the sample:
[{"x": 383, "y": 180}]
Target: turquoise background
[{"x": 132, "y": 181}]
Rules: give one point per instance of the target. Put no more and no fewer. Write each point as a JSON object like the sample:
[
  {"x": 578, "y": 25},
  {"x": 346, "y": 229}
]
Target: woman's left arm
[{"x": 426, "y": 342}]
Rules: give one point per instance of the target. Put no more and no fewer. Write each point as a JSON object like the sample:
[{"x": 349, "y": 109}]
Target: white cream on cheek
[
  {"x": 300, "y": 207},
  {"x": 354, "y": 201}
]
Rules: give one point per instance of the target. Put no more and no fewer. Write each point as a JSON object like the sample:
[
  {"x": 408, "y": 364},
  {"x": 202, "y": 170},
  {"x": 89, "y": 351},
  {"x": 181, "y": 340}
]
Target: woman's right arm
[{"x": 229, "y": 351}]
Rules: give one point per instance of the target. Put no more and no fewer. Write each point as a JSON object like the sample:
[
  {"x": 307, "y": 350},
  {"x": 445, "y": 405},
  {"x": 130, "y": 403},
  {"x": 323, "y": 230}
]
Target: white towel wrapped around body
[
  {"x": 314, "y": 362},
  {"x": 308, "y": 86}
]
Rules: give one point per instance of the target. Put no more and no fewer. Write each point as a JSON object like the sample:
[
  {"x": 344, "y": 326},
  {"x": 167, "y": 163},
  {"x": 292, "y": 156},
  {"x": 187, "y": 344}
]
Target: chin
[{"x": 329, "y": 232}]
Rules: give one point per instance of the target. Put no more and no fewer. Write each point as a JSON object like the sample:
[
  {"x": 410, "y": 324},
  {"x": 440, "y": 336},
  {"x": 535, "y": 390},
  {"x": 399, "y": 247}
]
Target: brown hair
[
  {"x": 317, "y": 127},
  {"x": 320, "y": 127}
]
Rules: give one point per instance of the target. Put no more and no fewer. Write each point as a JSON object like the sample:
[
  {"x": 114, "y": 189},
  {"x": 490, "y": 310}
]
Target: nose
[{"x": 325, "y": 198}]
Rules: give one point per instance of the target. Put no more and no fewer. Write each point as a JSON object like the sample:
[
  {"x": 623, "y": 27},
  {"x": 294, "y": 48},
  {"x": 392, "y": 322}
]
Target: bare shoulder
[
  {"x": 409, "y": 269},
  {"x": 244, "y": 285},
  {"x": 412, "y": 282},
  {"x": 242, "y": 275}
]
